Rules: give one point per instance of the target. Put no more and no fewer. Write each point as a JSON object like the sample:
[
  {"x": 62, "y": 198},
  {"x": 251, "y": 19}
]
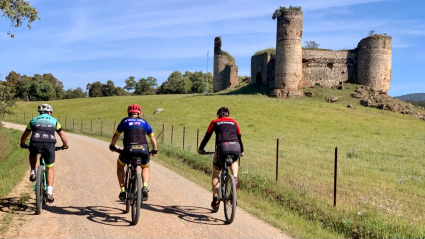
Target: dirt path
[{"x": 87, "y": 206}]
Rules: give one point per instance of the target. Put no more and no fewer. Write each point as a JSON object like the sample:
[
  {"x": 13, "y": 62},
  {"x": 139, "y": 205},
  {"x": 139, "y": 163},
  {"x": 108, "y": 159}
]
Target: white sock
[
  {"x": 50, "y": 190},
  {"x": 32, "y": 171}
]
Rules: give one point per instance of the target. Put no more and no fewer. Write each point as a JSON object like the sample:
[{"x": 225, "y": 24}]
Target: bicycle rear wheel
[
  {"x": 230, "y": 199},
  {"x": 137, "y": 198},
  {"x": 39, "y": 190}
]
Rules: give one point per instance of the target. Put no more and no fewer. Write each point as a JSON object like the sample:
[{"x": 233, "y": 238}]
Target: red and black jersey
[{"x": 226, "y": 130}]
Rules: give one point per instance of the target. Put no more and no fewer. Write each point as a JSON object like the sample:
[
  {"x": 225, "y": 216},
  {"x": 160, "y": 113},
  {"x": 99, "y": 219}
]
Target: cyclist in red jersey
[{"x": 228, "y": 141}]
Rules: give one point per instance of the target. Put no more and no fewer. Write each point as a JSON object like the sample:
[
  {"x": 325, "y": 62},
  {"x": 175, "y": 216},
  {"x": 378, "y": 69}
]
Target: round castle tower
[
  {"x": 288, "y": 65},
  {"x": 374, "y": 62},
  {"x": 221, "y": 61}
]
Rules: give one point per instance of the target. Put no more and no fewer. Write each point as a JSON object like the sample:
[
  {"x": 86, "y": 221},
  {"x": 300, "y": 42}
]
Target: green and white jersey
[{"x": 43, "y": 128}]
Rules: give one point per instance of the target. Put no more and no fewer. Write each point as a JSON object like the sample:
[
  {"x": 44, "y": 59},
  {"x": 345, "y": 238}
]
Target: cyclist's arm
[
  {"x": 153, "y": 142},
  {"x": 63, "y": 138},
  {"x": 25, "y": 136},
  {"x": 240, "y": 142},
  {"x": 207, "y": 136},
  {"x": 115, "y": 138}
]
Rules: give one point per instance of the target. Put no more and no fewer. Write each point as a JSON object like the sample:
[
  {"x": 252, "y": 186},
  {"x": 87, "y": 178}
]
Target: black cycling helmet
[{"x": 223, "y": 111}]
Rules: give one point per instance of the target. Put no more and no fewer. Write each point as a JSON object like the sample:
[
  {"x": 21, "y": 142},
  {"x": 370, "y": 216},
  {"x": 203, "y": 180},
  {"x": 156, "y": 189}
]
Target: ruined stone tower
[
  {"x": 288, "y": 65},
  {"x": 374, "y": 62},
  {"x": 225, "y": 70}
]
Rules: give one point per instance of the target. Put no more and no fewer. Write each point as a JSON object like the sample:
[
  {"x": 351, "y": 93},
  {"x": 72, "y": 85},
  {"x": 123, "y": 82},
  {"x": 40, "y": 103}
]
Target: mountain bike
[
  {"x": 40, "y": 184},
  {"x": 133, "y": 187},
  {"x": 227, "y": 190}
]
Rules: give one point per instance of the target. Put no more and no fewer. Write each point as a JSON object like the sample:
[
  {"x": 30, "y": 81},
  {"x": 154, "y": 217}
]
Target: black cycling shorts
[
  {"x": 224, "y": 149},
  {"x": 48, "y": 152},
  {"x": 141, "y": 151}
]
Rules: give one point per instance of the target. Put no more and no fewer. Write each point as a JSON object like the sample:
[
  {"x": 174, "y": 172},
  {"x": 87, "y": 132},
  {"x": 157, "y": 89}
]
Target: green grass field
[
  {"x": 381, "y": 184},
  {"x": 13, "y": 160}
]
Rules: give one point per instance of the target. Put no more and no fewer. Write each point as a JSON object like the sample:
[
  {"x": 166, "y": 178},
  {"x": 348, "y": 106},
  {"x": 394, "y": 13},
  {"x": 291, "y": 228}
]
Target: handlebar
[
  {"x": 118, "y": 150},
  {"x": 25, "y": 146}
]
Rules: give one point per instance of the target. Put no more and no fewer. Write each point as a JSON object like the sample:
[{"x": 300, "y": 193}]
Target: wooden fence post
[
  {"x": 277, "y": 159},
  {"x": 184, "y": 130},
  {"x": 335, "y": 174},
  {"x": 162, "y": 136}
]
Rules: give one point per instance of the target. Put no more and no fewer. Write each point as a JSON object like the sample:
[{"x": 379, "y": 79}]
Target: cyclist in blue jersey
[
  {"x": 43, "y": 129},
  {"x": 135, "y": 130}
]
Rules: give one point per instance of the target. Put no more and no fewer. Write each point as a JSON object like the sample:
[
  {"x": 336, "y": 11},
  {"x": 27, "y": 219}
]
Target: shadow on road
[
  {"x": 99, "y": 214},
  {"x": 187, "y": 213},
  {"x": 16, "y": 206}
]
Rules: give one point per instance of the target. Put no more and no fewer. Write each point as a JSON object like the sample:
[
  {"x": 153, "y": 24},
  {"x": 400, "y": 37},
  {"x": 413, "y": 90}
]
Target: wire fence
[{"x": 344, "y": 176}]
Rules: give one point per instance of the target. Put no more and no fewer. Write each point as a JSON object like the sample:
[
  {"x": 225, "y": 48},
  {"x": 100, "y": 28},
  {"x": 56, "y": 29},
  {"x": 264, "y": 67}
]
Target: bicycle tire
[
  {"x": 127, "y": 186},
  {"x": 39, "y": 190},
  {"x": 230, "y": 199},
  {"x": 137, "y": 198}
]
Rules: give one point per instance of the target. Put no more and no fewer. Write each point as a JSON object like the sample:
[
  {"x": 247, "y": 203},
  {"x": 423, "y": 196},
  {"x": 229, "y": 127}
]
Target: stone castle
[{"x": 290, "y": 67}]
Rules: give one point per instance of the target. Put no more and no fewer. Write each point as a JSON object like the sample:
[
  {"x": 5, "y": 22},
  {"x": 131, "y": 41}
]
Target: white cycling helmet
[{"x": 45, "y": 108}]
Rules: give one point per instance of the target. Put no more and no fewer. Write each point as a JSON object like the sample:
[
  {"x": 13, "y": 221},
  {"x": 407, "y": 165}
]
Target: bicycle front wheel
[
  {"x": 39, "y": 190},
  {"x": 137, "y": 198},
  {"x": 230, "y": 199}
]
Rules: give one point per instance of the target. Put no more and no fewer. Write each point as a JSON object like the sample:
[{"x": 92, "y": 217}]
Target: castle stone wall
[
  {"x": 328, "y": 68},
  {"x": 262, "y": 69},
  {"x": 374, "y": 62},
  {"x": 288, "y": 65}
]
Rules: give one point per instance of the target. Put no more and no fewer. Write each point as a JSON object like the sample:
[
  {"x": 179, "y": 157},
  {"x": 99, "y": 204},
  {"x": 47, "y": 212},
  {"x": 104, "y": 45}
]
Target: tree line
[
  {"x": 39, "y": 87},
  {"x": 47, "y": 87}
]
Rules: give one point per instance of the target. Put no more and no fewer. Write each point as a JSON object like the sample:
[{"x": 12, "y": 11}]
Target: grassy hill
[
  {"x": 412, "y": 97},
  {"x": 380, "y": 175}
]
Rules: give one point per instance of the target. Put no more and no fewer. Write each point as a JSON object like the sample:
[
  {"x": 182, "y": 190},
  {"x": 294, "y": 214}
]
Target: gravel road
[{"x": 87, "y": 206}]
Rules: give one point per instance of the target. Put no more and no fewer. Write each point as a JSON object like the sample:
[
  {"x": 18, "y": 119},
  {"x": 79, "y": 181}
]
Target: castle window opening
[
  {"x": 258, "y": 78},
  {"x": 330, "y": 65}
]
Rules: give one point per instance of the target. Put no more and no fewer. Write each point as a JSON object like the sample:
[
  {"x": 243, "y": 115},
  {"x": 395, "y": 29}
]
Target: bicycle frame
[{"x": 44, "y": 175}]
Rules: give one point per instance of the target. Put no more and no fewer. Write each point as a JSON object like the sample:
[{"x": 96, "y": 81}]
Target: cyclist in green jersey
[{"x": 42, "y": 129}]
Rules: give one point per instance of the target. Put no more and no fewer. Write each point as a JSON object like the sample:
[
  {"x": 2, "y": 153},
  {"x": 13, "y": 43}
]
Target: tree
[
  {"x": 146, "y": 86},
  {"x": 76, "y": 93},
  {"x": 7, "y": 100},
  {"x": 311, "y": 44},
  {"x": 109, "y": 89},
  {"x": 95, "y": 89},
  {"x": 130, "y": 83},
  {"x": 371, "y": 32},
  {"x": 199, "y": 79},
  {"x": 57, "y": 85},
  {"x": 18, "y": 11}
]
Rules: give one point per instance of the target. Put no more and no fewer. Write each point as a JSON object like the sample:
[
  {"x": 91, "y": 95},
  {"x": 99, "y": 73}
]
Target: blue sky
[{"x": 82, "y": 41}]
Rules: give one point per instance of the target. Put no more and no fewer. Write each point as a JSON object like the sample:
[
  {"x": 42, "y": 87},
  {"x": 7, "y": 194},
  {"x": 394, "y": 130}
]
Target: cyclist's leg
[
  {"x": 33, "y": 160},
  {"x": 235, "y": 167},
  {"x": 121, "y": 176},
  {"x": 217, "y": 167},
  {"x": 49, "y": 160},
  {"x": 146, "y": 172},
  {"x": 120, "y": 170}
]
